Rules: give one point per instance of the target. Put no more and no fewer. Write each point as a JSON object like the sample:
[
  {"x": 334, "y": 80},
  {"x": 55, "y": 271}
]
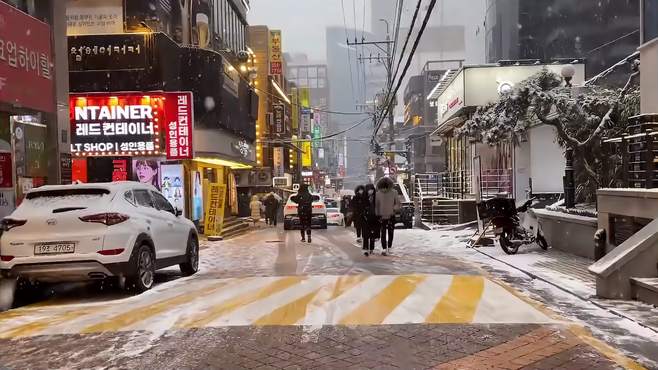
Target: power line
[
  {"x": 347, "y": 40},
  {"x": 612, "y": 42},
  {"x": 407, "y": 38},
  {"x": 407, "y": 65},
  {"x": 329, "y": 136}
]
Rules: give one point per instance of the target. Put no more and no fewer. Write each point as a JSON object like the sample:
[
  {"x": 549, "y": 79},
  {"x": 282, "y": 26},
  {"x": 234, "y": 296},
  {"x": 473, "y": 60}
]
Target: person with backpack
[
  {"x": 370, "y": 221},
  {"x": 386, "y": 205},
  {"x": 304, "y": 201},
  {"x": 359, "y": 202}
]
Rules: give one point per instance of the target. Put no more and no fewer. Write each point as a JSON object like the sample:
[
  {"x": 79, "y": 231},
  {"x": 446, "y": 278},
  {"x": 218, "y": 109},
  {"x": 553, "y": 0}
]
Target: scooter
[{"x": 514, "y": 227}]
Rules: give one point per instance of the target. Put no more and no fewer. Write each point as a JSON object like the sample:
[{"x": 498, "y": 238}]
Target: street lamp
[{"x": 568, "y": 71}]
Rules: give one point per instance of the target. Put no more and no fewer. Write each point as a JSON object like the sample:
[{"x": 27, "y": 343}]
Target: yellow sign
[
  {"x": 304, "y": 97},
  {"x": 295, "y": 109},
  {"x": 307, "y": 156},
  {"x": 215, "y": 209}
]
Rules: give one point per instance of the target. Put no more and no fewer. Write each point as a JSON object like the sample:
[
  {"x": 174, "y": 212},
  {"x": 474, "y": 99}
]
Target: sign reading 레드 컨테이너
[
  {"x": 214, "y": 207},
  {"x": 179, "y": 121}
]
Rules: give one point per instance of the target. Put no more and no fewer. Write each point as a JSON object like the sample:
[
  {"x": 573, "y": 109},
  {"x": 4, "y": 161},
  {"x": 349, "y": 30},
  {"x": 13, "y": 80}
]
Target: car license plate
[{"x": 54, "y": 248}]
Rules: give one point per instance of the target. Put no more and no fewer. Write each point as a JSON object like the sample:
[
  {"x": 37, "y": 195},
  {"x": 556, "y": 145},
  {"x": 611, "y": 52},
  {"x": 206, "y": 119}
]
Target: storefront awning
[
  {"x": 448, "y": 125},
  {"x": 234, "y": 165}
]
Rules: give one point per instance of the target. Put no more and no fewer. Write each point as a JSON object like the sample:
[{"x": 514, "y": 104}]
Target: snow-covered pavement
[{"x": 269, "y": 285}]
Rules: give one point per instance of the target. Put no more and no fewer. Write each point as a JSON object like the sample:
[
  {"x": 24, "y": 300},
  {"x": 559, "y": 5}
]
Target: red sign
[
  {"x": 131, "y": 124},
  {"x": 26, "y": 78},
  {"x": 179, "y": 125},
  {"x": 276, "y": 68},
  {"x": 120, "y": 170},
  {"x": 5, "y": 170}
]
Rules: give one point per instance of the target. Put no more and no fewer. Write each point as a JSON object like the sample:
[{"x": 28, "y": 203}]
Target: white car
[
  {"x": 96, "y": 231},
  {"x": 291, "y": 219},
  {"x": 334, "y": 217}
]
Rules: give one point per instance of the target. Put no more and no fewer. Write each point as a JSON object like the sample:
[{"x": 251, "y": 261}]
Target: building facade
[
  {"x": 160, "y": 94},
  {"x": 34, "y": 131},
  {"x": 551, "y": 29}
]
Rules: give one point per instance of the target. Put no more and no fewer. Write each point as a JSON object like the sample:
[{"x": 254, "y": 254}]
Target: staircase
[
  {"x": 439, "y": 211},
  {"x": 234, "y": 226},
  {"x": 645, "y": 290}
]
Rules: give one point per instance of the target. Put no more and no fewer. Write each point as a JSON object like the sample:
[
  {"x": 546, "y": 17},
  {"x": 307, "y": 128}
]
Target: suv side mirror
[{"x": 178, "y": 212}]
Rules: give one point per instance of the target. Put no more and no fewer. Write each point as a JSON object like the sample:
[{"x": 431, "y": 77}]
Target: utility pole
[{"x": 387, "y": 61}]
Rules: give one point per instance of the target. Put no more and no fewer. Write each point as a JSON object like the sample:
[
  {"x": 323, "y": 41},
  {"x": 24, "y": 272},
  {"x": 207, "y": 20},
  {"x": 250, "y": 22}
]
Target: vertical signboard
[
  {"x": 307, "y": 154},
  {"x": 278, "y": 161},
  {"x": 179, "y": 120},
  {"x": 305, "y": 123},
  {"x": 276, "y": 60},
  {"x": 295, "y": 110},
  {"x": 215, "y": 209},
  {"x": 26, "y": 78},
  {"x": 278, "y": 117}
]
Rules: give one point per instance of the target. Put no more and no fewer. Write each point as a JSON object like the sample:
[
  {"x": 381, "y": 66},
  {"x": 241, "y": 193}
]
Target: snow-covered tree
[{"x": 582, "y": 117}]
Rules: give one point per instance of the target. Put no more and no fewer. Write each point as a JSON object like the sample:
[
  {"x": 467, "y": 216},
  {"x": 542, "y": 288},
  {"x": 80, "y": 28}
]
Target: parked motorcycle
[{"x": 513, "y": 226}]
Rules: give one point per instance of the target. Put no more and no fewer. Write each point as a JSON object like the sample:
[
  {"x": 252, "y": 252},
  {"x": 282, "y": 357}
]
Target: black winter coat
[{"x": 304, "y": 206}]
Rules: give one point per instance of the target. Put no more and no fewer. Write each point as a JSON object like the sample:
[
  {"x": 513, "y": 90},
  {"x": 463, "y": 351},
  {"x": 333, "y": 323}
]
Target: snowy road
[{"x": 266, "y": 300}]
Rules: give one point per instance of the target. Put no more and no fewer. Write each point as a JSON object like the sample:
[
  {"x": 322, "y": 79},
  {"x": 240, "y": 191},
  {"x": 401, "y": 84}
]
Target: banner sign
[
  {"x": 179, "y": 120},
  {"x": 26, "y": 77},
  {"x": 276, "y": 60},
  {"x": 93, "y": 53},
  {"x": 295, "y": 110},
  {"x": 307, "y": 155},
  {"x": 130, "y": 124},
  {"x": 305, "y": 123},
  {"x": 278, "y": 161},
  {"x": 278, "y": 117},
  {"x": 214, "y": 222}
]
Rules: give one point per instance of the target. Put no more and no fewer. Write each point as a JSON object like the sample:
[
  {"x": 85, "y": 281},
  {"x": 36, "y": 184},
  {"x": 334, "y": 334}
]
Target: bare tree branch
[{"x": 571, "y": 141}]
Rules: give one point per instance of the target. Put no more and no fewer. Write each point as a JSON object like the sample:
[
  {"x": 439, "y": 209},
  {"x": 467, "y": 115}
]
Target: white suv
[
  {"x": 291, "y": 219},
  {"x": 95, "y": 231}
]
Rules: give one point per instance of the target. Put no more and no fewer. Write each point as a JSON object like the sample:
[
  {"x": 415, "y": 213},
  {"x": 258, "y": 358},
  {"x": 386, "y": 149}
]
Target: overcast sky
[{"x": 303, "y": 22}]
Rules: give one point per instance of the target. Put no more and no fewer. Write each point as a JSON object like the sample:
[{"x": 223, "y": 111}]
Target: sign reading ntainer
[{"x": 132, "y": 124}]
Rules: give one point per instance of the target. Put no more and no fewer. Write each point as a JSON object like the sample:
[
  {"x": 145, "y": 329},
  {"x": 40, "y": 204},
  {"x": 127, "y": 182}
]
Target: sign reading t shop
[{"x": 131, "y": 124}]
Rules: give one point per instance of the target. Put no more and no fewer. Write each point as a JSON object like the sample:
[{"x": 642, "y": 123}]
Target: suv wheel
[
  {"x": 191, "y": 266},
  {"x": 144, "y": 269}
]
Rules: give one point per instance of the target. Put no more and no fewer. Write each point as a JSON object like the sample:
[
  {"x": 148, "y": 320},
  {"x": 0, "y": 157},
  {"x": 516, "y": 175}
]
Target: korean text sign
[
  {"x": 131, "y": 124},
  {"x": 26, "y": 76},
  {"x": 215, "y": 209}
]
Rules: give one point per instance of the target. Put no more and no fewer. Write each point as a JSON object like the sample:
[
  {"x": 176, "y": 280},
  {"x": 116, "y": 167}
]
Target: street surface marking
[
  {"x": 295, "y": 311},
  {"x": 132, "y": 317},
  {"x": 293, "y": 300},
  {"x": 458, "y": 305},
  {"x": 237, "y": 302},
  {"x": 376, "y": 309}
]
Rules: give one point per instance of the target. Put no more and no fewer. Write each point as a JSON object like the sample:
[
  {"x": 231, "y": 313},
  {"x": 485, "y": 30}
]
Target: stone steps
[{"x": 645, "y": 290}]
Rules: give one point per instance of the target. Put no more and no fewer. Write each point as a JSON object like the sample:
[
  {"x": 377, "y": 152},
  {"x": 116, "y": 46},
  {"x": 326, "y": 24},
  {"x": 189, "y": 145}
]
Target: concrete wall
[
  {"x": 649, "y": 77},
  {"x": 568, "y": 233}
]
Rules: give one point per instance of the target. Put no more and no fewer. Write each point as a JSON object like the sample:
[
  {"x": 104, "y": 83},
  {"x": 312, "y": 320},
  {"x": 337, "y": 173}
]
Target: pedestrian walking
[
  {"x": 304, "y": 201},
  {"x": 370, "y": 221},
  {"x": 386, "y": 204},
  {"x": 344, "y": 209},
  {"x": 359, "y": 202},
  {"x": 255, "y": 207},
  {"x": 271, "y": 208}
]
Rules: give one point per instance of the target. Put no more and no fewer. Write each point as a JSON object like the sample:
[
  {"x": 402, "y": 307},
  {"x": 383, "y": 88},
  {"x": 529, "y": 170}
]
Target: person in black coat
[
  {"x": 359, "y": 202},
  {"x": 371, "y": 228},
  {"x": 304, "y": 201}
]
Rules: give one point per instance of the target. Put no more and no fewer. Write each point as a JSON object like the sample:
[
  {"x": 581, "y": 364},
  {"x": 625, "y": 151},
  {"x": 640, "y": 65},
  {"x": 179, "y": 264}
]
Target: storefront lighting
[
  {"x": 243, "y": 68},
  {"x": 280, "y": 91},
  {"x": 113, "y": 100},
  {"x": 81, "y": 102},
  {"x": 146, "y": 100},
  {"x": 222, "y": 162}
]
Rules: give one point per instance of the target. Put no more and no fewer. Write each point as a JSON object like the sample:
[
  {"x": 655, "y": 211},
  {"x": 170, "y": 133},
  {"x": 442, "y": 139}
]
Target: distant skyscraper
[{"x": 603, "y": 32}]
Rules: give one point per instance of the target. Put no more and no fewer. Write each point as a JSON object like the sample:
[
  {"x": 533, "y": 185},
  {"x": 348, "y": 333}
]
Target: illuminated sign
[{"x": 131, "y": 124}]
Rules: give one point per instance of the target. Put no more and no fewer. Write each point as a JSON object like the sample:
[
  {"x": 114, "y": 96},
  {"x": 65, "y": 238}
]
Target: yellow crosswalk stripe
[
  {"x": 459, "y": 303},
  {"x": 376, "y": 309},
  {"x": 233, "y": 304},
  {"x": 131, "y": 317},
  {"x": 34, "y": 327},
  {"x": 296, "y": 310}
]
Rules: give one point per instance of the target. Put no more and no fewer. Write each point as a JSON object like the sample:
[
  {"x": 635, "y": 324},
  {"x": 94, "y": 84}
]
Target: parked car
[
  {"x": 96, "y": 231},
  {"x": 291, "y": 219},
  {"x": 334, "y": 217},
  {"x": 330, "y": 202},
  {"x": 405, "y": 215}
]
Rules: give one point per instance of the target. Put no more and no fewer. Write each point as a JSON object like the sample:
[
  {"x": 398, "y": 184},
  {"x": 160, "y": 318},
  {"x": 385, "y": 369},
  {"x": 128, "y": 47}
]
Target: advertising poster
[
  {"x": 91, "y": 17},
  {"x": 147, "y": 171},
  {"x": 201, "y": 23},
  {"x": 79, "y": 170},
  {"x": 120, "y": 169},
  {"x": 7, "y": 202},
  {"x": 197, "y": 196},
  {"x": 215, "y": 209},
  {"x": 6, "y": 180},
  {"x": 173, "y": 185}
]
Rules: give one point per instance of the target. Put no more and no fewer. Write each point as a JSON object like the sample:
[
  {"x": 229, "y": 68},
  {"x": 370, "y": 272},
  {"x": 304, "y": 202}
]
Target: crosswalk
[{"x": 287, "y": 300}]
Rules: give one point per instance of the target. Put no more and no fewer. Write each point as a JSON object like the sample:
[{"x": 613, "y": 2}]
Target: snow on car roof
[{"x": 111, "y": 186}]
